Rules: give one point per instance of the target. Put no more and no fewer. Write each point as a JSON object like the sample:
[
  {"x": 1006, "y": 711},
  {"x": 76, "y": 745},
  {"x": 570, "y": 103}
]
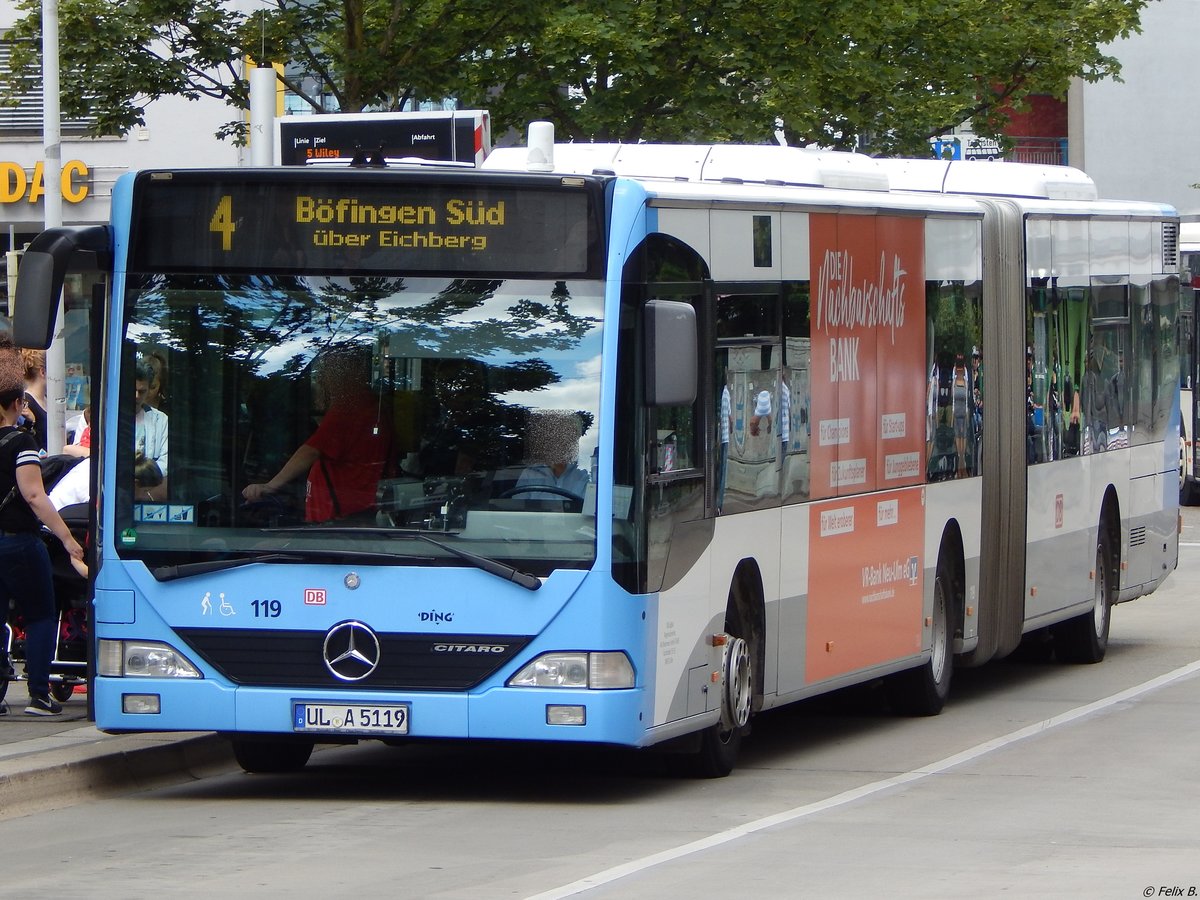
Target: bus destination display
[{"x": 324, "y": 225}]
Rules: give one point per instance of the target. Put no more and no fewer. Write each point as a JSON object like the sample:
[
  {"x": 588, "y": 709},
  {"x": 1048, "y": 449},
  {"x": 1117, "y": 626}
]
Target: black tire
[
  {"x": 265, "y": 757},
  {"x": 1084, "y": 639},
  {"x": 1188, "y": 493},
  {"x": 1187, "y": 489},
  {"x": 62, "y": 691},
  {"x": 721, "y": 743},
  {"x": 923, "y": 691}
]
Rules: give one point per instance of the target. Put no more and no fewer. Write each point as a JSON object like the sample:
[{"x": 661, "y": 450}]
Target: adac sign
[{"x": 18, "y": 185}]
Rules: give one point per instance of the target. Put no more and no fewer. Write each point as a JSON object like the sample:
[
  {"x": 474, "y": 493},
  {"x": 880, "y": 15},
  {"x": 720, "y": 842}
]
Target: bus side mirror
[
  {"x": 40, "y": 277},
  {"x": 671, "y": 360},
  {"x": 36, "y": 303}
]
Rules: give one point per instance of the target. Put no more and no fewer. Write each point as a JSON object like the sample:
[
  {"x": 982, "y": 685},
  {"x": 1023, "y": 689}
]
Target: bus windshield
[{"x": 321, "y": 418}]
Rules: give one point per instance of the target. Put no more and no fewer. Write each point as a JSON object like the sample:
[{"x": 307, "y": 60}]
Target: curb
[{"x": 107, "y": 766}]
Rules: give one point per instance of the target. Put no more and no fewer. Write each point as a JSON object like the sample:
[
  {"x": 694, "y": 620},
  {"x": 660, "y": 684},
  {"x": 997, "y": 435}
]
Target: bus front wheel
[
  {"x": 265, "y": 756},
  {"x": 720, "y": 743}
]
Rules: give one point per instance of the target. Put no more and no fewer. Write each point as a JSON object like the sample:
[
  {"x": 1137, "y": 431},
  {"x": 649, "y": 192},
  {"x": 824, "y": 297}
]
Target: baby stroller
[{"x": 69, "y": 666}]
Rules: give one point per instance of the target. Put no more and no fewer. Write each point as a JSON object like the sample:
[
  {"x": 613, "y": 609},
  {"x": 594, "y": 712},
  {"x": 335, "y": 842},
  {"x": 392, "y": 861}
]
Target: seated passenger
[
  {"x": 552, "y": 441},
  {"x": 150, "y": 434}
]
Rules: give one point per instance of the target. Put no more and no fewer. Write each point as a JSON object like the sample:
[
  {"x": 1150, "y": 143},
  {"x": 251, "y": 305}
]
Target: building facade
[{"x": 1137, "y": 138}]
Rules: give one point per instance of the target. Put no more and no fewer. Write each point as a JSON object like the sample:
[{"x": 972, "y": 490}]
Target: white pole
[
  {"x": 262, "y": 116},
  {"x": 56, "y": 360}
]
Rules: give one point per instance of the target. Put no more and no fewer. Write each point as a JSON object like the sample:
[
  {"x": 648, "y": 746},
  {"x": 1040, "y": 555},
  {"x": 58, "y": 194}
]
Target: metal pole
[
  {"x": 262, "y": 116},
  {"x": 56, "y": 360}
]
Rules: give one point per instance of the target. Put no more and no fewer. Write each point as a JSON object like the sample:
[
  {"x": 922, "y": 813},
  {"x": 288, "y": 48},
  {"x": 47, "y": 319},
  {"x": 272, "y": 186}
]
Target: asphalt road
[{"x": 1039, "y": 779}]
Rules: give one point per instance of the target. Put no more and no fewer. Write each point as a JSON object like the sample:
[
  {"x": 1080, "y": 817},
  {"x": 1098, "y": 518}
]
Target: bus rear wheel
[
  {"x": 265, "y": 756},
  {"x": 1084, "y": 639},
  {"x": 923, "y": 691},
  {"x": 1188, "y": 493}
]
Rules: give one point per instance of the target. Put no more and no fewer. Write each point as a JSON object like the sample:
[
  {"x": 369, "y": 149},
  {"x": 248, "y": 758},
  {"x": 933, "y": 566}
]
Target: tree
[
  {"x": 885, "y": 76},
  {"x": 368, "y": 55}
]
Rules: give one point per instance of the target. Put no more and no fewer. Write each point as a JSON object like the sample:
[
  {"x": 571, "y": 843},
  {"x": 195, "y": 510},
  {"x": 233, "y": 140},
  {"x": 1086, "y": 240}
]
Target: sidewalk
[{"x": 55, "y": 761}]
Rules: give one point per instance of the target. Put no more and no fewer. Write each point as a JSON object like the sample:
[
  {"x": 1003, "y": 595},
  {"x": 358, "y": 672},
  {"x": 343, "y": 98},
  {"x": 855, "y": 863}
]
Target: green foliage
[
  {"x": 884, "y": 75},
  {"x": 118, "y": 57}
]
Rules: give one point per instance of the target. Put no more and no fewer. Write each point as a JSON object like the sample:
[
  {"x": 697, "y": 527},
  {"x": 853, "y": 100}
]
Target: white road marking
[{"x": 801, "y": 812}]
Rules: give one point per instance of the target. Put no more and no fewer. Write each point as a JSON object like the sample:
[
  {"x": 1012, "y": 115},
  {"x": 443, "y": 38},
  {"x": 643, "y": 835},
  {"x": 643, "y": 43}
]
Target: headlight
[
  {"x": 587, "y": 671},
  {"x": 142, "y": 659}
]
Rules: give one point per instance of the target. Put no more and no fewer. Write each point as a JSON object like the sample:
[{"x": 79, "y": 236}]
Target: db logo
[
  {"x": 314, "y": 596},
  {"x": 1058, "y": 511}
]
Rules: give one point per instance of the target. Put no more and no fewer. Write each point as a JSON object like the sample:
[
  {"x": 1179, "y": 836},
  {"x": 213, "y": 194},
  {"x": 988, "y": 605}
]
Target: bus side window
[
  {"x": 955, "y": 386},
  {"x": 750, "y": 400},
  {"x": 795, "y": 430},
  {"x": 674, "y": 438}
]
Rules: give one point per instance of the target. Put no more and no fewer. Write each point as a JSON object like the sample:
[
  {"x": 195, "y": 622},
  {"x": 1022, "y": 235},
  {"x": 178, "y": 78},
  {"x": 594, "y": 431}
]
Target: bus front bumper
[{"x": 500, "y": 713}]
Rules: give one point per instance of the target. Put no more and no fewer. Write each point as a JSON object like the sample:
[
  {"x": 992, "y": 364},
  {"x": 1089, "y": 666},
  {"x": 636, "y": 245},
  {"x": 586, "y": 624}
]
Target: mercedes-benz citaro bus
[{"x": 611, "y": 444}]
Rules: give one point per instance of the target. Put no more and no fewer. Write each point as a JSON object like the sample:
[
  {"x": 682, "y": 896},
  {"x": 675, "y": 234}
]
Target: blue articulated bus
[{"x": 623, "y": 451}]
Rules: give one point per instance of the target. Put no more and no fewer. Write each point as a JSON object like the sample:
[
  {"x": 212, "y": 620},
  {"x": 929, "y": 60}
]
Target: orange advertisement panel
[
  {"x": 902, "y": 379},
  {"x": 866, "y": 582},
  {"x": 868, "y": 346}
]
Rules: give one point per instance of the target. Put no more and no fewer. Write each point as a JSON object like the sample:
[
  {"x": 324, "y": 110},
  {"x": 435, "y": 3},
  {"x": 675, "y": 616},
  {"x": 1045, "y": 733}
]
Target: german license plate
[{"x": 350, "y": 718}]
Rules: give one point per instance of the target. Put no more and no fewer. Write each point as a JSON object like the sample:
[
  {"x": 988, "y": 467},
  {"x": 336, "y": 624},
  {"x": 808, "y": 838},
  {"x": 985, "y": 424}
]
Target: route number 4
[{"x": 222, "y": 222}]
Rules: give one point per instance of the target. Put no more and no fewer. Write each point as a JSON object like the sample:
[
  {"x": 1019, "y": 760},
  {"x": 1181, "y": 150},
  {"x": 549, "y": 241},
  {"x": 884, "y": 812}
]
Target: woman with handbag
[{"x": 25, "y": 572}]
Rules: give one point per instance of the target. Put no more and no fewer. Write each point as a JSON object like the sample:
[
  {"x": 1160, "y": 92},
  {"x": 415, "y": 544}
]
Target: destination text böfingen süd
[{"x": 340, "y": 212}]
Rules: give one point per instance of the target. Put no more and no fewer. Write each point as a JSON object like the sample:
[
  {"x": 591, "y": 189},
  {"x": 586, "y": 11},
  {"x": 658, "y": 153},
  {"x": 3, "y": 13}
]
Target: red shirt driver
[
  {"x": 344, "y": 458},
  {"x": 352, "y": 446}
]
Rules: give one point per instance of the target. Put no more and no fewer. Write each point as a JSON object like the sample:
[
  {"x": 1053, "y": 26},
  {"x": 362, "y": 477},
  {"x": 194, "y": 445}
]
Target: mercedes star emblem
[{"x": 351, "y": 651}]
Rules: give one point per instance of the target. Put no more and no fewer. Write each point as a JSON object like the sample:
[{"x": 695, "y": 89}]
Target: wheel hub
[{"x": 737, "y": 694}]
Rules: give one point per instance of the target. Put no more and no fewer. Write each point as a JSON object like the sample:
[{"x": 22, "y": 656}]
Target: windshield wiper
[
  {"x": 485, "y": 563},
  {"x": 187, "y": 570}
]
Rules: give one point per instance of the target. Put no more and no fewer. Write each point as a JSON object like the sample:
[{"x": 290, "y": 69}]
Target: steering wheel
[
  {"x": 266, "y": 511},
  {"x": 575, "y": 499}
]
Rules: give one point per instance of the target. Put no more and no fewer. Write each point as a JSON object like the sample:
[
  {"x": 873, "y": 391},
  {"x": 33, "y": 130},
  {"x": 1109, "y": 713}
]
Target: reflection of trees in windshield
[
  {"x": 254, "y": 317},
  {"x": 249, "y": 316}
]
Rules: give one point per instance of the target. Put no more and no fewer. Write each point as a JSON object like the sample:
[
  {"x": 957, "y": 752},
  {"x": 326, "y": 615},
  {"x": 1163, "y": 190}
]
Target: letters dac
[{"x": 17, "y": 184}]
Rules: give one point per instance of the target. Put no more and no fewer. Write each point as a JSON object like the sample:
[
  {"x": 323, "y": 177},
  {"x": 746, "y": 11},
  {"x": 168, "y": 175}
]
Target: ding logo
[{"x": 351, "y": 651}]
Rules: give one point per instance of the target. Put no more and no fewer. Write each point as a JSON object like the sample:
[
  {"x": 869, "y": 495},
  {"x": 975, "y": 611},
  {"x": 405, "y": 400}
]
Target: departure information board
[{"x": 317, "y": 221}]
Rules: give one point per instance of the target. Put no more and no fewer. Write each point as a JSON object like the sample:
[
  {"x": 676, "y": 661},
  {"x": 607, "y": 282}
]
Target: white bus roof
[
  {"x": 764, "y": 164},
  {"x": 708, "y": 163},
  {"x": 995, "y": 179}
]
